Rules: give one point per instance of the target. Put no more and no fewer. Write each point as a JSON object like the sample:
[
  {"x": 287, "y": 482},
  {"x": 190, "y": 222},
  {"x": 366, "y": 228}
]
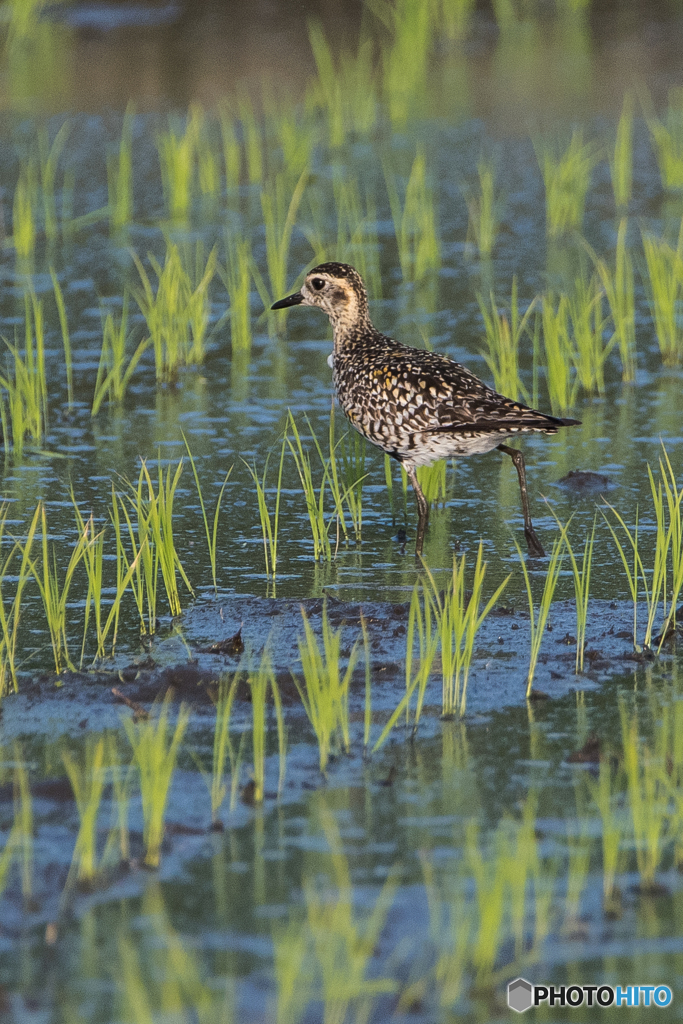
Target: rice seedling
[
  {"x": 357, "y": 241},
  {"x": 152, "y": 542},
  {"x": 352, "y": 453},
  {"x": 55, "y": 595},
  {"x": 177, "y": 158},
  {"x": 26, "y": 382},
  {"x": 419, "y": 249},
  {"x": 49, "y": 160},
  {"x": 503, "y": 337},
  {"x": 163, "y": 312},
  {"x": 120, "y": 175},
  {"x": 156, "y": 753},
  {"x": 23, "y": 213},
  {"x": 663, "y": 491},
  {"x": 154, "y": 507},
  {"x": 113, "y": 375},
  {"x": 432, "y": 481},
  {"x": 423, "y": 625},
  {"x": 343, "y": 470},
  {"x": 329, "y": 90},
  {"x": 87, "y": 783},
  {"x": 198, "y": 302},
  {"x": 11, "y": 617},
  {"x": 69, "y": 222},
  {"x": 634, "y": 572},
  {"x": 561, "y": 377},
  {"x": 252, "y": 139},
  {"x": 93, "y": 560},
  {"x": 667, "y": 137},
  {"x": 259, "y": 683},
  {"x": 582, "y": 582},
  {"x": 674, "y": 542},
  {"x": 664, "y": 285},
  {"x": 177, "y": 314},
  {"x": 232, "y": 149},
  {"x": 345, "y": 90},
  {"x": 344, "y": 944},
  {"x": 648, "y": 798},
  {"x": 211, "y": 534},
  {"x": 619, "y": 288},
  {"x": 406, "y": 58},
  {"x": 333, "y": 474},
  {"x": 208, "y": 160},
  {"x": 236, "y": 277},
  {"x": 658, "y": 579},
  {"x": 315, "y": 501},
  {"x": 325, "y": 691},
  {"x": 458, "y": 620},
  {"x": 538, "y": 618},
  {"x": 484, "y": 221},
  {"x": 145, "y": 575},
  {"x": 567, "y": 180},
  {"x": 291, "y": 134},
  {"x": 280, "y": 206},
  {"x": 389, "y": 480},
  {"x": 269, "y": 526},
  {"x": 621, "y": 162},
  {"x": 591, "y": 352},
  {"x": 66, "y": 340}
]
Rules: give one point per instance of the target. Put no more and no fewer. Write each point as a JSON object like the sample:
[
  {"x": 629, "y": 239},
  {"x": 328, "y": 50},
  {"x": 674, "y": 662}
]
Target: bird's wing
[{"x": 443, "y": 395}]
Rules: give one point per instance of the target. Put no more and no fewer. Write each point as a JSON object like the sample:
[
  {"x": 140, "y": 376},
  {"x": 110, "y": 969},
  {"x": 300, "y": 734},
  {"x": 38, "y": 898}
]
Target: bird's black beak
[{"x": 291, "y": 300}]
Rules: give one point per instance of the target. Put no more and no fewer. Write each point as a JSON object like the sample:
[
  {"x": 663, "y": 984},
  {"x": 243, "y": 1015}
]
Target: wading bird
[{"x": 417, "y": 406}]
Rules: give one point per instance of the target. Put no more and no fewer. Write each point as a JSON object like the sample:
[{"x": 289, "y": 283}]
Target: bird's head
[{"x": 337, "y": 289}]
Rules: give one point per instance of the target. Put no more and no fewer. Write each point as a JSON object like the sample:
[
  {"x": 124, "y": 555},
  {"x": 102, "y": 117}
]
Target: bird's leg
[
  {"x": 533, "y": 543},
  {"x": 422, "y": 511}
]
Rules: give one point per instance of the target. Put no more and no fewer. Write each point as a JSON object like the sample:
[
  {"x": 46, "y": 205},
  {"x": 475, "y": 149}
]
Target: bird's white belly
[{"x": 432, "y": 447}]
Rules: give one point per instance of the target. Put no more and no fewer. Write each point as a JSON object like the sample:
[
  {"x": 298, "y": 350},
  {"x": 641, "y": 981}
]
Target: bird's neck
[{"x": 349, "y": 331}]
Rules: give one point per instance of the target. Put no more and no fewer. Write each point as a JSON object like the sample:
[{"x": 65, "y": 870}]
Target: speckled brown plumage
[{"x": 416, "y": 405}]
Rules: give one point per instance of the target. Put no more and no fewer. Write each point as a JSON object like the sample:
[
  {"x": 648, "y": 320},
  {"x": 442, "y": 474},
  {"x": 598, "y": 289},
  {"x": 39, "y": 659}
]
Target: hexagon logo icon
[{"x": 520, "y": 995}]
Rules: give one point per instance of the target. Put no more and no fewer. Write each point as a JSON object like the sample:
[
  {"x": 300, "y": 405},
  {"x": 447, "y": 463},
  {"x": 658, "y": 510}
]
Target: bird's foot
[{"x": 534, "y": 545}]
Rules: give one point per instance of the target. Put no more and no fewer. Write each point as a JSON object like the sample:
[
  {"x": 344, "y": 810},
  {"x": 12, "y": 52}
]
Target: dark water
[{"x": 163, "y": 946}]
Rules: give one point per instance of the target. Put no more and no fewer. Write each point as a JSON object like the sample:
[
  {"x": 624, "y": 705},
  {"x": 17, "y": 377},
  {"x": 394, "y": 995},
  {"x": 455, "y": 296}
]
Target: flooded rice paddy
[{"x": 257, "y": 763}]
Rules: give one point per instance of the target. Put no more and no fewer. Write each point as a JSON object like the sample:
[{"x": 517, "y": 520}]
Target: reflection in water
[{"x": 169, "y": 977}]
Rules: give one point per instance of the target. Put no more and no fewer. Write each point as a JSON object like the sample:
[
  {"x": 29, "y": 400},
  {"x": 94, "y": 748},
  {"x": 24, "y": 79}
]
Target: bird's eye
[{"x": 317, "y": 283}]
